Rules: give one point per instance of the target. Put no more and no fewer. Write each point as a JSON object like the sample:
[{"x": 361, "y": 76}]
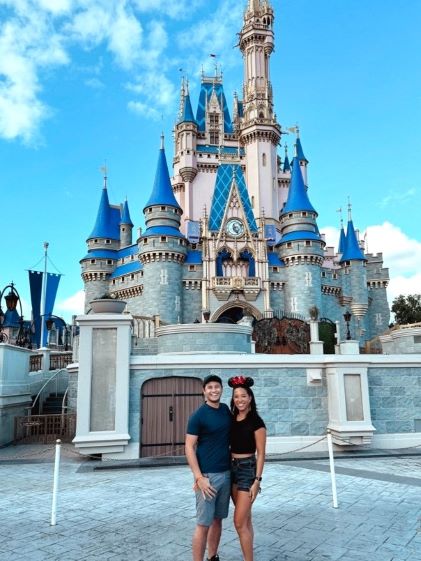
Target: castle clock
[{"x": 234, "y": 227}]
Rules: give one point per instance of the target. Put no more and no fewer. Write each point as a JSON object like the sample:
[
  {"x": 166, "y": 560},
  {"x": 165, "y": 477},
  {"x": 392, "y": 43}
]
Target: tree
[{"x": 407, "y": 309}]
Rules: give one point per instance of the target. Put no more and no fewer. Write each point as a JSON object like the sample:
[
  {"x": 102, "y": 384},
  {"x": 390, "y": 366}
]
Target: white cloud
[
  {"x": 144, "y": 110},
  {"x": 74, "y": 305},
  {"x": 211, "y": 34},
  {"x": 56, "y": 7},
  {"x": 398, "y": 198},
  {"x": 27, "y": 43},
  {"x": 171, "y": 8},
  {"x": 401, "y": 255},
  {"x": 35, "y": 34}
]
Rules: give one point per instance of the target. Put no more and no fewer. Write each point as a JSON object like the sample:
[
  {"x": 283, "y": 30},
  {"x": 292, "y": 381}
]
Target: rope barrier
[{"x": 69, "y": 448}]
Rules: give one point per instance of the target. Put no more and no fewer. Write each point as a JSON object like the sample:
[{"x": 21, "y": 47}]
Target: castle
[{"x": 233, "y": 233}]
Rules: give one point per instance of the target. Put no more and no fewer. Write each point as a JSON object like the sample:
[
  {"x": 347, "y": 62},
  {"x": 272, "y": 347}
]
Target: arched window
[
  {"x": 223, "y": 257},
  {"x": 263, "y": 159}
]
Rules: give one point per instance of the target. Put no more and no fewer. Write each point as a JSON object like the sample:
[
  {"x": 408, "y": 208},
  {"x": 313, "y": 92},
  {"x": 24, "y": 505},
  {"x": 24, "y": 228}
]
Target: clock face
[{"x": 235, "y": 227}]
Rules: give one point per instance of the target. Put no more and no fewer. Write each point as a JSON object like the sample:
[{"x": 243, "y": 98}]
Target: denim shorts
[
  {"x": 243, "y": 472},
  {"x": 217, "y": 507}
]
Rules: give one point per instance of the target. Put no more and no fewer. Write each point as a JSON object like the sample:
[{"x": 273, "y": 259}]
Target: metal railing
[
  {"x": 45, "y": 428},
  {"x": 35, "y": 363},
  {"x": 60, "y": 360}
]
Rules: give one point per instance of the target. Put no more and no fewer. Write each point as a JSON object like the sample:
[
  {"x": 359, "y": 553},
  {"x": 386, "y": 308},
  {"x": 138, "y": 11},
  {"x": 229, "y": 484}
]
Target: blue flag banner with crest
[{"x": 35, "y": 284}]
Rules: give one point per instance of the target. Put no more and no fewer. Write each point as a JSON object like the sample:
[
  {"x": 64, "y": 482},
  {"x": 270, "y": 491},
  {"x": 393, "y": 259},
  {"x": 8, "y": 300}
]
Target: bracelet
[{"x": 258, "y": 479}]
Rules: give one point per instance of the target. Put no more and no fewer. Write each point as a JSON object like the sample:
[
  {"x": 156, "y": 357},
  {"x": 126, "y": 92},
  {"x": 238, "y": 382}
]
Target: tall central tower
[{"x": 259, "y": 131}]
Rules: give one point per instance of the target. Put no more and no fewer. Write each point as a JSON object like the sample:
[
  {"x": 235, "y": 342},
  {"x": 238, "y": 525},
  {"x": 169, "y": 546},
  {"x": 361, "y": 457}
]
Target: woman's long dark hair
[{"x": 253, "y": 407}]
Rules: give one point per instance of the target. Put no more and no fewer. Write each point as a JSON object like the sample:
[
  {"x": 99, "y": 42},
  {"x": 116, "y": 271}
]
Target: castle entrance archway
[
  {"x": 166, "y": 405},
  {"x": 234, "y": 312}
]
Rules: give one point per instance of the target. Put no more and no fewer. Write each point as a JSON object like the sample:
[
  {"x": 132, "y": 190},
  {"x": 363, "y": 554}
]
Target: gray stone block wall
[
  {"x": 199, "y": 341},
  {"x": 7, "y": 420},
  {"x": 296, "y": 287},
  {"x": 72, "y": 393},
  {"x": 192, "y": 304},
  {"x": 358, "y": 282},
  {"x": 377, "y": 304},
  {"x": 286, "y": 403},
  {"x": 395, "y": 398},
  {"x": 160, "y": 298}
]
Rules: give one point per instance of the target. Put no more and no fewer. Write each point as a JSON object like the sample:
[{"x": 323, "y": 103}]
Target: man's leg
[
  {"x": 199, "y": 542},
  {"x": 214, "y": 537}
]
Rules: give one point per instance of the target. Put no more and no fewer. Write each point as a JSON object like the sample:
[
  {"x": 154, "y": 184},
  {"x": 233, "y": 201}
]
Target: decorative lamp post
[
  {"x": 347, "y": 318},
  {"x": 23, "y": 338},
  {"x": 206, "y": 315},
  {"x": 3, "y": 337},
  {"x": 49, "y": 323}
]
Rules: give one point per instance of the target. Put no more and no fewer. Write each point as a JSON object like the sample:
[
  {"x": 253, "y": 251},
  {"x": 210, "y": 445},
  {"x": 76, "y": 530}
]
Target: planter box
[{"x": 108, "y": 306}]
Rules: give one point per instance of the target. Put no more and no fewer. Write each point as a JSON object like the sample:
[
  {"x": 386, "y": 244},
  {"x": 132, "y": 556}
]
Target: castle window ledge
[{"x": 223, "y": 286}]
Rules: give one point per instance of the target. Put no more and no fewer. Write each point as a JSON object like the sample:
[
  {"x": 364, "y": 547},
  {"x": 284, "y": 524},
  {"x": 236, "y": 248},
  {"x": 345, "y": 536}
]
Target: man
[{"x": 207, "y": 452}]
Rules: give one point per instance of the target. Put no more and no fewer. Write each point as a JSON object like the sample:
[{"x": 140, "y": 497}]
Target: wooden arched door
[{"x": 166, "y": 405}]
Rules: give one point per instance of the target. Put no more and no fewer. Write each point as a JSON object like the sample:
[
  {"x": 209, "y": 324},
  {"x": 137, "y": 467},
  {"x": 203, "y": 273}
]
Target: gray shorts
[{"x": 216, "y": 507}]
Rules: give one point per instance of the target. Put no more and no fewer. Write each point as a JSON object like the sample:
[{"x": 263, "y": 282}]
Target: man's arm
[
  {"x": 200, "y": 480},
  {"x": 190, "y": 444}
]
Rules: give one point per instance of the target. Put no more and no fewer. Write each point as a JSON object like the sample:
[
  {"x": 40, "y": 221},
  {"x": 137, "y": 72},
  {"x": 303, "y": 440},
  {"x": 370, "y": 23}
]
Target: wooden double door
[{"x": 166, "y": 405}]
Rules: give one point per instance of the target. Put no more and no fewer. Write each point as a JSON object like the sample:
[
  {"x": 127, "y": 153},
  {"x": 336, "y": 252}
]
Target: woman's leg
[{"x": 243, "y": 523}]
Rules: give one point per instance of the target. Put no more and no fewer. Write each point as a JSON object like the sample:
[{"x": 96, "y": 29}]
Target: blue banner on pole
[{"x": 35, "y": 284}]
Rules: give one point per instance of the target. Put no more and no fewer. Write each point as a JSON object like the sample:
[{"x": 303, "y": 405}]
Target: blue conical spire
[
  {"x": 187, "y": 113},
  {"x": 125, "y": 214},
  {"x": 105, "y": 225},
  {"x": 297, "y": 195},
  {"x": 352, "y": 250},
  {"x": 299, "y": 149},
  {"x": 162, "y": 193}
]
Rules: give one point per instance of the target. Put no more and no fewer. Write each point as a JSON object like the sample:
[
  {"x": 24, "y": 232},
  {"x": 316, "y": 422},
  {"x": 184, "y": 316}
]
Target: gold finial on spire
[
  {"x": 104, "y": 171},
  {"x": 349, "y": 209},
  {"x": 162, "y": 140},
  {"x": 340, "y": 215}
]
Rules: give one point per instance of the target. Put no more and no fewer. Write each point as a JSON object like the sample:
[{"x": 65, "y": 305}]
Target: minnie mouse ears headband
[{"x": 240, "y": 381}]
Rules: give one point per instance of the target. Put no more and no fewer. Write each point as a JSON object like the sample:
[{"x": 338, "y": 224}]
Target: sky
[{"x": 88, "y": 83}]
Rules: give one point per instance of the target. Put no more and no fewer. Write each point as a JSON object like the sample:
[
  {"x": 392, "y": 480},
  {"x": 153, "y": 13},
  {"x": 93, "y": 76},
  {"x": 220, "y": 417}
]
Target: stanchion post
[
  {"x": 332, "y": 469},
  {"x": 55, "y": 483}
]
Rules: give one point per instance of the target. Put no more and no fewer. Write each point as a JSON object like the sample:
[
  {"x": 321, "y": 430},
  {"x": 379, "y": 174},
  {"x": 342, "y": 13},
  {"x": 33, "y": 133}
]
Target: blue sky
[{"x": 84, "y": 82}]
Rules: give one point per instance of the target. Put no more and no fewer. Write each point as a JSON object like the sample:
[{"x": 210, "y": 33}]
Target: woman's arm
[{"x": 260, "y": 436}]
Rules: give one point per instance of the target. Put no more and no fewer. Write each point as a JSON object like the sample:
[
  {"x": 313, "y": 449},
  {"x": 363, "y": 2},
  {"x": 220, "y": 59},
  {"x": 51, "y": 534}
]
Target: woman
[{"x": 248, "y": 442}]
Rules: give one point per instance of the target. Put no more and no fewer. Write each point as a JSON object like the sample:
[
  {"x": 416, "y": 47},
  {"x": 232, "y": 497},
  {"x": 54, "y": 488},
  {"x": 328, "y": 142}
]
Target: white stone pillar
[
  {"x": 349, "y": 404},
  {"x": 103, "y": 383},
  {"x": 316, "y": 346}
]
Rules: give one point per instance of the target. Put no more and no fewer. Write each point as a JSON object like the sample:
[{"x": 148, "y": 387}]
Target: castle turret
[
  {"x": 301, "y": 158},
  {"x": 259, "y": 131},
  {"x": 103, "y": 244},
  {"x": 353, "y": 264},
  {"x": 301, "y": 248},
  {"x": 185, "y": 160},
  {"x": 162, "y": 249},
  {"x": 126, "y": 226}
]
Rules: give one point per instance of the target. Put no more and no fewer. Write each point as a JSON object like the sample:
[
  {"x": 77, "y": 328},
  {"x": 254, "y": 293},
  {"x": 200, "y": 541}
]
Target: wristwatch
[{"x": 258, "y": 478}]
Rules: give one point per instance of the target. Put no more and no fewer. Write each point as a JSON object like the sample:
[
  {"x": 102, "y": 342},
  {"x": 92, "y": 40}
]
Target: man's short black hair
[{"x": 212, "y": 378}]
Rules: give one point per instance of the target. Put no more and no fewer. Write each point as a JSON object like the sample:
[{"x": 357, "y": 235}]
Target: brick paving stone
[{"x": 148, "y": 514}]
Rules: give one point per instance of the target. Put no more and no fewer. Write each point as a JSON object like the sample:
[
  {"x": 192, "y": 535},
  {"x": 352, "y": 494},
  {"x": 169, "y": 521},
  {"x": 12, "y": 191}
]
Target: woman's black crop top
[{"x": 242, "y": 438}]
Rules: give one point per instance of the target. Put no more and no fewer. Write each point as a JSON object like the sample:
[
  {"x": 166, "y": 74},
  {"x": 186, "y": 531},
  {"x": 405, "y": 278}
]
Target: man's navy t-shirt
[{"x": 212, "y": 427}]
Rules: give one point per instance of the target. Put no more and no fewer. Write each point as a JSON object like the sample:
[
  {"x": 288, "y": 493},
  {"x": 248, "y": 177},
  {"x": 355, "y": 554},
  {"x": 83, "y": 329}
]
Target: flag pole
[{"x": 44, "y": 294}]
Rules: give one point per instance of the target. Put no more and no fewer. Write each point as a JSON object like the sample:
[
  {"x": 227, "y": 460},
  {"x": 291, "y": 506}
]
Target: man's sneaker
[{"x": 214, "y": 558}]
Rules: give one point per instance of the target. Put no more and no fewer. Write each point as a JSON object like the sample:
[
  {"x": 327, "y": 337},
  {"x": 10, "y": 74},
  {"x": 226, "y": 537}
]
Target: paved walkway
[{"x": 147, "y": 514}]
